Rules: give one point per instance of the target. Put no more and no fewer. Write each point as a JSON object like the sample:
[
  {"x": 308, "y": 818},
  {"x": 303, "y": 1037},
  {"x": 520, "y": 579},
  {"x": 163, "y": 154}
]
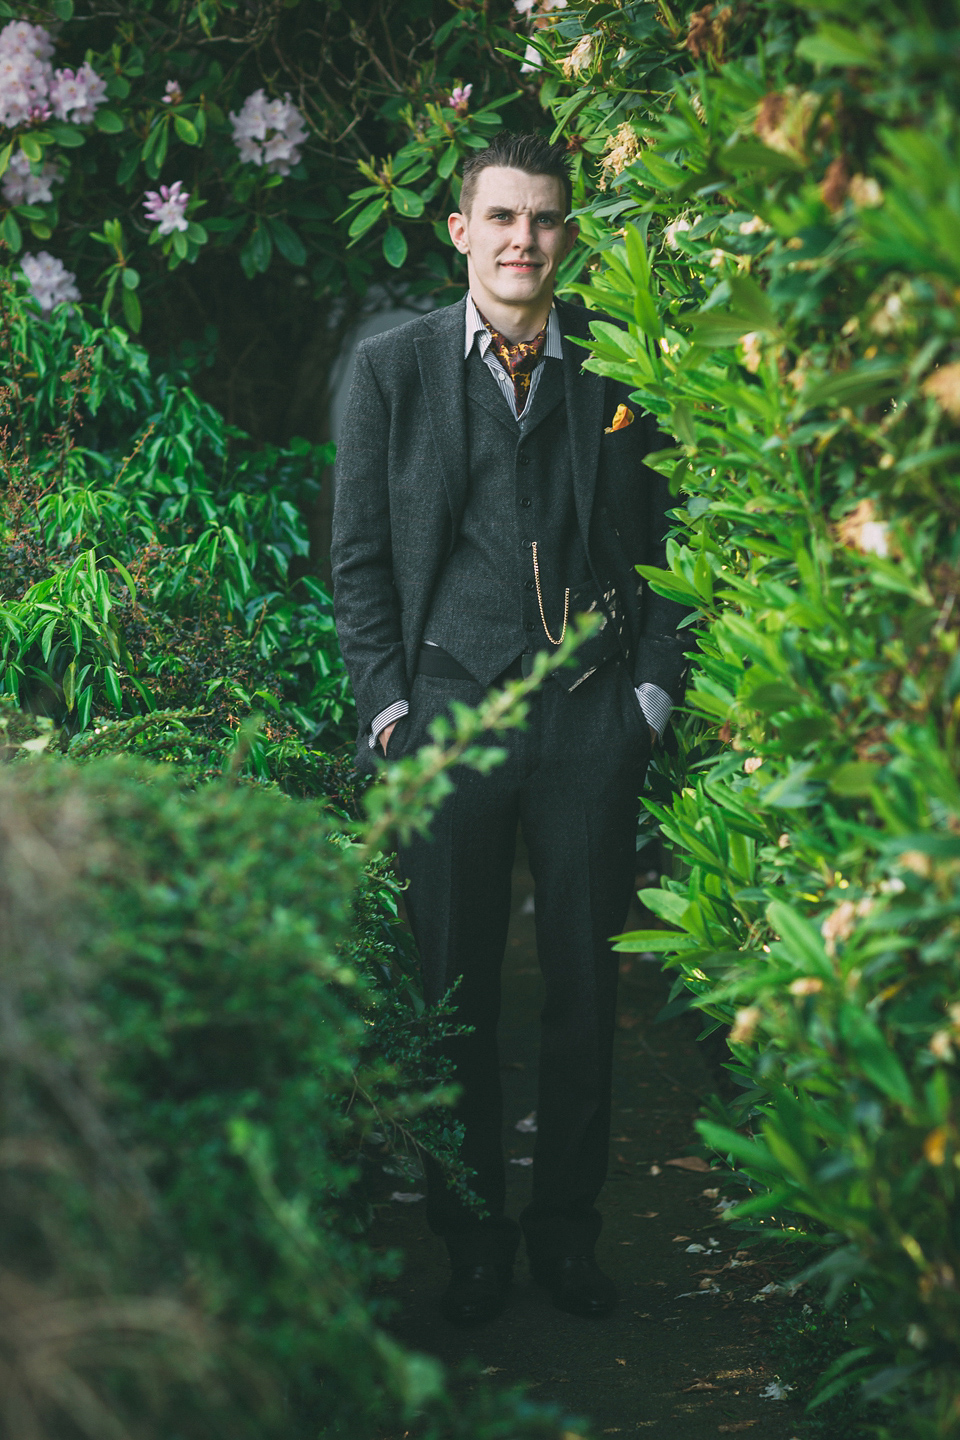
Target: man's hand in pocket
[{"x": 384, "y": 736}]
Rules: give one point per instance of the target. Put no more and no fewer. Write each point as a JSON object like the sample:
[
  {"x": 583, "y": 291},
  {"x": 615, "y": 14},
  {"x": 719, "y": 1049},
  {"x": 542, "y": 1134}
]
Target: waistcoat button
[
  {"x": 530, "y": 625},
  {"x": 523, "y": 460},
  {"x": 525, "y": 502},
  {"x": 529, "y": 585}
]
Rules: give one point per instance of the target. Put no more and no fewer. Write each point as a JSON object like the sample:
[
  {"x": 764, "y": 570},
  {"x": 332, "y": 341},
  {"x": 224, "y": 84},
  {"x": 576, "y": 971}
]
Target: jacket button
[
  {"x": 529, "y": 585},
  {"x": 525, "y": 502},
  {"x": 523, "y": 460},
  {"x": 526, "y": 544}
]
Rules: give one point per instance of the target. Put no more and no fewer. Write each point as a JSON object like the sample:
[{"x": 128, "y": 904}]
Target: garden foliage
[
  {"x": 215, "y": 1062},
  {"x": 154, "y": 560},
  {"x": 775, "y": 225}
]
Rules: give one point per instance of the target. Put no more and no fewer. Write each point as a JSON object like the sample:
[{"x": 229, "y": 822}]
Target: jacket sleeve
[
  {"x": 660, "y": 658},
  {"x": 366, "y": 603}
]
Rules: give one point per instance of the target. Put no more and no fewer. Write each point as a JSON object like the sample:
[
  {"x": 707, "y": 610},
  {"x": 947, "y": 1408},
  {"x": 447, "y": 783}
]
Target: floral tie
[{"x": 518, "y": 360}]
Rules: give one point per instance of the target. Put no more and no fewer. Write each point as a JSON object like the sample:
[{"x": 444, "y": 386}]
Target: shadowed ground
[{"x": 669, "y": 1362}]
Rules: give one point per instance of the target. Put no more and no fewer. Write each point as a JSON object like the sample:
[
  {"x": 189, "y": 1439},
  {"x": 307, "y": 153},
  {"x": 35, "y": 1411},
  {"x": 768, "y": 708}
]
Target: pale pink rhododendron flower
[
  {"x": 25, "y": 72},
  {"x": 167, "y": 207},
  {"x": 172, "y": 93},
  {"x": 75, "y": 97},
  {"x": 269, "y": 132},
  {"x": 22, "y": 187},
  {"x": 51, "y": 283}
]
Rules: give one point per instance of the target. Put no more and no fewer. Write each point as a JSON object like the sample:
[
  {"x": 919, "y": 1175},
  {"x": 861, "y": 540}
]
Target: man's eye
[{"x": 546, "y": 220}]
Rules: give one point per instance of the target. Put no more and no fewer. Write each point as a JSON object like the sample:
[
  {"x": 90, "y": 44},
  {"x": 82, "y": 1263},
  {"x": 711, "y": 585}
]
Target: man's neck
[{"x": 513, "y": 322}]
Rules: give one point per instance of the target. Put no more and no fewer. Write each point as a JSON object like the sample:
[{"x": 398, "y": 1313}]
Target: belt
[{"x": 441, "y": 664}]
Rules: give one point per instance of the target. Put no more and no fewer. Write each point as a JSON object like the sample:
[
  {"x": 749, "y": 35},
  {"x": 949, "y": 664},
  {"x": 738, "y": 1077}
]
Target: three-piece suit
[{"x": 444, "y": 498}]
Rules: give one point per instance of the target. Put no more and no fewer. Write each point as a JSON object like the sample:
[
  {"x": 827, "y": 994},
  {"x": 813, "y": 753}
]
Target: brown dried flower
[
  {"x": 706, "y": 32},
  {"x": 944, "y": 386},
  {"x": 622, "y": 149},
  {"x": 836, "y": 184}
]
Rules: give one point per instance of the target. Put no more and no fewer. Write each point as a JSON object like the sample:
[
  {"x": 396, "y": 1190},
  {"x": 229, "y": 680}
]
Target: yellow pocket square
[{"x": 622, "y": 418}]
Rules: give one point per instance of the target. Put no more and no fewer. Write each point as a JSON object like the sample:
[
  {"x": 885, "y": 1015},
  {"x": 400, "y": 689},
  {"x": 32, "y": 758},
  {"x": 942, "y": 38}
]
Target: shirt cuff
[
  {"x": 656, "y": 706},
  {"x": 395, "y": 712}
]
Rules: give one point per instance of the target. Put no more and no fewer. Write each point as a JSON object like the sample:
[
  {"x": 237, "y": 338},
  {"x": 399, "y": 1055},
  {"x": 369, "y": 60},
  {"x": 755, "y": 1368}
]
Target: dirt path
[{"x": 675, "y": 1360}]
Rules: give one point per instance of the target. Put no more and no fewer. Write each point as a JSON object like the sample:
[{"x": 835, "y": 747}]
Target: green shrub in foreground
[{"x": 197, "y": 1009}]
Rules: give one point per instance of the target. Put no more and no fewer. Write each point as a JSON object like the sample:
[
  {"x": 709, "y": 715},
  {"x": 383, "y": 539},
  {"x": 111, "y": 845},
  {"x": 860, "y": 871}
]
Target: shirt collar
[{"x": 553, "y": 345}]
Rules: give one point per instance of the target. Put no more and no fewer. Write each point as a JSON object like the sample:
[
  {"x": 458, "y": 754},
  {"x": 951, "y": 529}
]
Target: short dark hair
[{"x": 531, "y": 153}]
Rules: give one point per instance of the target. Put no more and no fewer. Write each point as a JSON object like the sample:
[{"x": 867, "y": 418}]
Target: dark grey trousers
[{"x": 572, "y": 778}]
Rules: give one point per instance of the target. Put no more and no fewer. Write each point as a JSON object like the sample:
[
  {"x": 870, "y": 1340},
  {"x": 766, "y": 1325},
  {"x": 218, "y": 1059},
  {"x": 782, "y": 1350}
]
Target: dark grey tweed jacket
[{"x": 401, "y": 485}]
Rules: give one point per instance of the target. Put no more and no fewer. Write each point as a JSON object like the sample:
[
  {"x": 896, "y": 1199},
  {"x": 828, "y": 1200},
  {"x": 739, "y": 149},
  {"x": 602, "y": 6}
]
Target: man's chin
[{"x": 521, "y": 289}]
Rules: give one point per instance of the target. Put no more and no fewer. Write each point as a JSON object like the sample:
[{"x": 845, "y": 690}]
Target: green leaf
[
  {"x": 665, "y": 904},
  {"x": 259, "y": 248},
  {"x": 69, "y": 686},
  {"x": 63, "y": 9},
  {"x": 31, "y": 147},
  {"x": 5, "y": 154},
  {"x": 839, "y": 45},
  {"x": 874, "y": 1056},
  {"x": 447, "y": 162},
  {"x": 131, "y": 278},
  {"x": 655, "y": 941},
  {"x": 799, "y": 941},
  {"x": 394, "y": 247},
  {"x": 131, "y": 310},
  {"x": 112, "y": 686},
  {"x": 69, "y": 136},
  {"x": 856, "y": 777},
  {"x": 109, "y": 121},
  {"x": 186, "y": 131},
  {"x": 406, "y": 202},
  {"x": 768, "y": 699},
  {"x": 367, "y": 217},
  {"x": 10, "y": 232},
  {"x": 196, "y": 233},
  {"x": 288, "y": 242}
]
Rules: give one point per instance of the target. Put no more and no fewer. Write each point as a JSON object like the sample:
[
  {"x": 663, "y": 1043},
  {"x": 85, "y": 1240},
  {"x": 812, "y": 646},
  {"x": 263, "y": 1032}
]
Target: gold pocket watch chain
[{"x": 566, "y": 602}]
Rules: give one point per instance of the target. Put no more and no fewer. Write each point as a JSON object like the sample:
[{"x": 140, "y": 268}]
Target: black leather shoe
[
  {"x": 576, "y": 1283},
  {"x": 476, "y": 1293}
]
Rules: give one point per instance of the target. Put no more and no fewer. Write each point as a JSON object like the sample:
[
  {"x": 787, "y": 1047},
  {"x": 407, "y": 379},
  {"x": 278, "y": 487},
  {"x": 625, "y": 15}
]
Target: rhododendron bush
[{"x": 190, "y": 171}]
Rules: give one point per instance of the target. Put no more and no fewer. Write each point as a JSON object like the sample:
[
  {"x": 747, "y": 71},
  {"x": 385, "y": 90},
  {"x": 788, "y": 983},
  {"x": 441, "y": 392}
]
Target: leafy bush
[
  {"x": 154, "y": 559},
  {"x": 774, "y": 220},
  {"x": 196, "y": 1058}
]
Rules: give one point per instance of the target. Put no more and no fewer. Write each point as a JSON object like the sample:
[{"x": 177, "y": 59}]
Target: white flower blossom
[
  {"x": 673, "y": 229},
  {"x": 531, "y": 60},
  {"x": 50, "y": 280},
  {"x": 76, "y": 96},
  {"x": 22, "y": 187},
  {"x": 269, "y": 132},
  {"x": 167, "y": 208}
]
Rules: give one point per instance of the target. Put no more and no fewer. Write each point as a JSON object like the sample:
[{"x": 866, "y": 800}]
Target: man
[{"x": 488, "y": 489}]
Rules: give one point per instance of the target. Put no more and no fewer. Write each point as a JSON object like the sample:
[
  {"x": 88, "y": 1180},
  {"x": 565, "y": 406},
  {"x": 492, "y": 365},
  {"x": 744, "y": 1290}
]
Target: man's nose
[{"x": 523, "y": 236}]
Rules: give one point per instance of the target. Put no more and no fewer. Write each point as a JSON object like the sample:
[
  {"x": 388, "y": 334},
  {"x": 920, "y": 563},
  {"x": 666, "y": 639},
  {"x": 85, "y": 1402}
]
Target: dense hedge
[
  {"x": 774, "y": 217},
  {"x": 198, "y": 1100}
]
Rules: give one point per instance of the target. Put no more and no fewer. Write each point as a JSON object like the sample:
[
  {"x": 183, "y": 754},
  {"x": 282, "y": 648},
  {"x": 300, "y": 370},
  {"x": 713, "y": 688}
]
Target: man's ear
[
  {"x": 573, "y": 234},
  {"x": 457, "y": 226}
]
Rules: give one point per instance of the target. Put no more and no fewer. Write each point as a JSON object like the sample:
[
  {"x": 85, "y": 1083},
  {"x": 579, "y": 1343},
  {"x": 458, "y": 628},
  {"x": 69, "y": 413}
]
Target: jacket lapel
[
  {"x": 440, "y": 358},
  {"x": 584, "y": 397}
]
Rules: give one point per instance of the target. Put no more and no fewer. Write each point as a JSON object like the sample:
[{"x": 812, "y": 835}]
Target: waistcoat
[{"x": 485, "y": 610}]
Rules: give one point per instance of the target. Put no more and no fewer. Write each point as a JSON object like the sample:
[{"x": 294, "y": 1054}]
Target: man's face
[{"x": 514, "y": 237}]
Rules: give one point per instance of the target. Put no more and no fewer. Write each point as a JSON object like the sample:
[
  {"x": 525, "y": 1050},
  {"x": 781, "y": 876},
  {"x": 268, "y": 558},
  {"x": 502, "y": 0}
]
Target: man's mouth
[{"x": 520, "y": 264}]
